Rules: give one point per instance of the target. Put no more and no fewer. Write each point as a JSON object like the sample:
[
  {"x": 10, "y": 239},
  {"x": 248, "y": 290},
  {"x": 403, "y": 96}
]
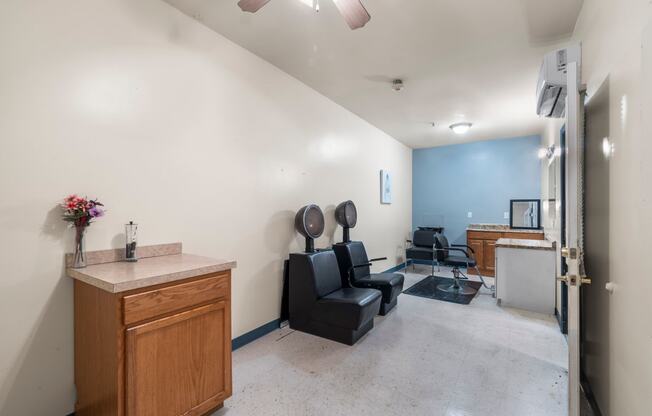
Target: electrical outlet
[
  {"x": 506, "y": 215},
  {"x": 469, "y": 214}
]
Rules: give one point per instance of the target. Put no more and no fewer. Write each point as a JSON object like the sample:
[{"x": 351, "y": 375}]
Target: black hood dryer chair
[
  {"x": 354, "y": 263},
  {"x": 318, "y": 304}
]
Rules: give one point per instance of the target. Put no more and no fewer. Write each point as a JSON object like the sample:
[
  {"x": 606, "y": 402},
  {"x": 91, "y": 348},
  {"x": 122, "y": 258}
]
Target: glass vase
[
  {"x": 79, "y": 259},
  {"x": 130, "y": 234}
]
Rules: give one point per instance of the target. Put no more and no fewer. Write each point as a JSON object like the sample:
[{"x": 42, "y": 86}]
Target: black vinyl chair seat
[
  {"x": 353, "y": 254},
  {"x": 459, "y": 261},
  {"x": 339, "y": 307},
  {"x": 387, "y": 283}
]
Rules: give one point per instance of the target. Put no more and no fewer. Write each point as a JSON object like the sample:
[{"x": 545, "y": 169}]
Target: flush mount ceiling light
[
  {"x": 353, "y": 11},
  {"x": 460, "y": 128}
]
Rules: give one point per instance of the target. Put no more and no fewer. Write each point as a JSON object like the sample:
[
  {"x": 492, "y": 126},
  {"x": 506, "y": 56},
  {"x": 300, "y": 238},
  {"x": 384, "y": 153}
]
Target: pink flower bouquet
[{"x": 80, "y": 212}]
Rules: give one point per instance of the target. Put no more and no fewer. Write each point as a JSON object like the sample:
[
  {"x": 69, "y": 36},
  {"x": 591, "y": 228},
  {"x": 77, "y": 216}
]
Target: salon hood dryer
[
  {"x": 309, "y": 222},
  {"x": 346, "y": 215},
  {"x": 317, "y": 302},
  {"x": 354, "y": 264}
]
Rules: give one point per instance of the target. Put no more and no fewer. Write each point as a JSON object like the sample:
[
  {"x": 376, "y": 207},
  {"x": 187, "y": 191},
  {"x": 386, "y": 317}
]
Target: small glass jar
[{"x": 130, "y": 234}]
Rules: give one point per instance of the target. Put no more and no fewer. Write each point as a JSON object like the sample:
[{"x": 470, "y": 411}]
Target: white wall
[
  {"x": 616, "y": 36},
  {"x": 552, "y": 220},
  {"x": 614, "y": 44},
  {"x": 180, "y": 130}
]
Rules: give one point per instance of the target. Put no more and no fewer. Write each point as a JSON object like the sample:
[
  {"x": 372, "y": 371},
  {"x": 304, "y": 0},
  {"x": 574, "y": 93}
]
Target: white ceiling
[{"x": 461, "y": 60}]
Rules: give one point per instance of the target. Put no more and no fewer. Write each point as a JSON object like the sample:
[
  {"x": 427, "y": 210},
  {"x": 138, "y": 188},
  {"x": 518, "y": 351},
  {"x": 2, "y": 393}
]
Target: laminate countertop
[
  {"x": 503, "y": 228},
  {"x": 525, "y": 244},
  {"x": 158, "y": 264}
]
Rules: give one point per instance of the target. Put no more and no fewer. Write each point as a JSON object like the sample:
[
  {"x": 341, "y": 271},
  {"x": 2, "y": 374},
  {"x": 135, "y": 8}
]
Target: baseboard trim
[
  {"x": 396, "y": 268},
  {"x": 253, "y": 335}
]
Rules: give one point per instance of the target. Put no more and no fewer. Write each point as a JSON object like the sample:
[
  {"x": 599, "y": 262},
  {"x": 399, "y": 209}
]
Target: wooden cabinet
[
  {"x": 164, "y": 350},
  {"x": 483, "y": 244},
  {"x": 489, "y": 256},
  {"x": 478, "y": 250}
]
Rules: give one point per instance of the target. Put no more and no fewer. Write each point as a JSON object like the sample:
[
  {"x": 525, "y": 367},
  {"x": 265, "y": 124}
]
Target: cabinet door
[
  {"x": 489, "y": 254},
  {"x": 180, "y": 365},
  {"x": 478, "y": 249}
]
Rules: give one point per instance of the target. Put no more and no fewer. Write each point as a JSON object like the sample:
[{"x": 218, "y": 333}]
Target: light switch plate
[
  {"x": 506, "y": 215},
  {"x": 469, "y": 214}
]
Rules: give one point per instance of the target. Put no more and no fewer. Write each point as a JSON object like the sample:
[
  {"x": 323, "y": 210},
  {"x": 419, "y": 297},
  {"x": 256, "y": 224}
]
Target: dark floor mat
[{"x": 427, "y": 288}]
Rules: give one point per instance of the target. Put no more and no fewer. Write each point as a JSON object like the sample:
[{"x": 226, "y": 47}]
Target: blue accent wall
[{"x": 481, "y": 177}]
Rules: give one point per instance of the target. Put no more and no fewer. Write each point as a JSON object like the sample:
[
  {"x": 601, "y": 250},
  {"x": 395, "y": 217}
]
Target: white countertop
[{"x": 120, "y": 276}]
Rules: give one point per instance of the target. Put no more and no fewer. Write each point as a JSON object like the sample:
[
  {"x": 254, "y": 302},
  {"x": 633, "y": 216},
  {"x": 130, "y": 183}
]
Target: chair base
[
  {"x": 386, "y": 307},
  {"x": 335, "y": 333},
  {"x": 457, "y": 288}
]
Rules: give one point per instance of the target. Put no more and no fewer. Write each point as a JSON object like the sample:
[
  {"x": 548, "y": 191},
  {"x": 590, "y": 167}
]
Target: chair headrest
[{"x": 424, "y": 238}]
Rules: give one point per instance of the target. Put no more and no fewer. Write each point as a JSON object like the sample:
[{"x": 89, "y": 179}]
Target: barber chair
[
  {"x": 318, "y": 304},
  {"x": 354, "y": 263},
  {"x": 463, "y": 257}
]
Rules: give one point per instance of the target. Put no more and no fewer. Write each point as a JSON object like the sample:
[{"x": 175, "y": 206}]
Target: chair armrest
[
  {"x": 350, "y": 273},
  {"x": 377, "y": 259},
  {"x": 463, "y": 245},
  {"x": 451, "y": 248}
]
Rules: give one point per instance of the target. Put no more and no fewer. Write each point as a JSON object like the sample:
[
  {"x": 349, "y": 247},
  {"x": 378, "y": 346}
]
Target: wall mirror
[{"x": 525, "y": 214}]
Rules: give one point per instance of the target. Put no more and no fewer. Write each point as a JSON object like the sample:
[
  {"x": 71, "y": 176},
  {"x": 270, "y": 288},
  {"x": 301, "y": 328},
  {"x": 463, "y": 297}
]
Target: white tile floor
[{"x": 426, "y": 357}]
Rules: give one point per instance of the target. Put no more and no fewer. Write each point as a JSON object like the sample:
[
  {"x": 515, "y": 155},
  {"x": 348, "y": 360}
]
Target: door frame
[
  {"x": 574, "y": 231},
  {"x": 563, "y": 313}
]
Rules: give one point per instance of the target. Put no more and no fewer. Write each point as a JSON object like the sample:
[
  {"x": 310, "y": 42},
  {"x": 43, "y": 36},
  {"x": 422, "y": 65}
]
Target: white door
[{"x": 574, "y": 227}]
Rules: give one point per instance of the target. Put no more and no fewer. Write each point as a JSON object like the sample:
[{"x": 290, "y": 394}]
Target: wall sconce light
[
  {"x": 607, "y": 147},
  {"x": 548, "y": 152}
]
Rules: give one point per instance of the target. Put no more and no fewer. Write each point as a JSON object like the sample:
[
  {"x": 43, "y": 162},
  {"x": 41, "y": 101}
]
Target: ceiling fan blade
[
  {"x": 252, "y": 6},
  {"x": 353, "y": 12}
]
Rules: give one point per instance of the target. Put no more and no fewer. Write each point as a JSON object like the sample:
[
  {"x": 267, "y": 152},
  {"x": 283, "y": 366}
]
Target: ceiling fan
[{"x": 353, "y": 11}]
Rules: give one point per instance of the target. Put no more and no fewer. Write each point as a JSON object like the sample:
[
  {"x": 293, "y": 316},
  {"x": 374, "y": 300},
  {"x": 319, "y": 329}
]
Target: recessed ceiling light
[{"x": 460, "y": 128}]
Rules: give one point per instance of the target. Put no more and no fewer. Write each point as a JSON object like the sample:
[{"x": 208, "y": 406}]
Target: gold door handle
[
  {"x": 569, "y": 253},
  {"x": 572, "y": 280}
]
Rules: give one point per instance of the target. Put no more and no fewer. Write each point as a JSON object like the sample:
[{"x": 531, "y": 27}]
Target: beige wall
[
  {"x": 180, "y": 130},
  {"x": 617, "y": 46}
]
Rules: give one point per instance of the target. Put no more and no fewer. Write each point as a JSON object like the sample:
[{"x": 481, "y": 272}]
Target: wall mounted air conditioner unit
[{"x": 551, "y": 87}]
